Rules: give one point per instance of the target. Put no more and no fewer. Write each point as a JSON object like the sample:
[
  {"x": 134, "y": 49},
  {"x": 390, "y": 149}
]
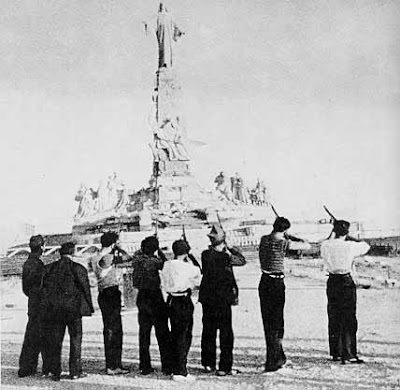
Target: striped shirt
[{"x": 272, "y": 252}]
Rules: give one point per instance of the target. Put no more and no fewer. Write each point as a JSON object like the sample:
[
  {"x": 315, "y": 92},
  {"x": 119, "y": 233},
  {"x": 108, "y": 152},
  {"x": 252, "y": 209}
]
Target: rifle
[
  {"x": 236, "y": 255},
  {"x": 219, "y": 221},
  {"x": 156, "y": 227},
  {"x": 161, "y": 254},
  {"x": 333, "y": 220},
  {"x": 184, "y": 235},
  {"x": 275, "y": 212},
  {"x": 286, "y": 235},
  {"x": 191, "y": 257}
]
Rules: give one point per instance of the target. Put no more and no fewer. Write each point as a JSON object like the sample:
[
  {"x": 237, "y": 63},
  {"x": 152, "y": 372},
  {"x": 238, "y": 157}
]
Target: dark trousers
[
  {"x": 181, "y": 317},
  {"x": 215, "y": 318},
  {"x": 342, "y": 320},
  {"x": 54, "y": 333},
  {"x": 272, "y": 301},
  {"x": 110, "y": 305},
  {"x": 153, "y": 311},
  {"x": 33, "y": 345}
]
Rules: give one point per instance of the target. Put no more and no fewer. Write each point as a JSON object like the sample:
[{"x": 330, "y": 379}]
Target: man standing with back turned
[
  {"x": 338, "y": 253},
  {"x": 271, "y": 289},
  {"x": 32, "y": 274},
  {"x": 218, "y": 292},
  {"x": 66, "y": 299},
  {"x": 109, "y": 299},
  {"x": 152, "y": 309}
]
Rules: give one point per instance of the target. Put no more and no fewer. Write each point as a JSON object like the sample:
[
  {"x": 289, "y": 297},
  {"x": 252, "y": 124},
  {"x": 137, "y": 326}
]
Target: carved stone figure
[
  {"x": 167, "y": 32},
  {"x": 122, "y": 198},
  {"x": 261, "y": 191},
  {"x": 169, "y": 138},
  {"x": 223, "y": 186},
  {"x": 111, "y": 192},
  {"x": 237, "y": 185},
  {"x": 86, "y": 201}
]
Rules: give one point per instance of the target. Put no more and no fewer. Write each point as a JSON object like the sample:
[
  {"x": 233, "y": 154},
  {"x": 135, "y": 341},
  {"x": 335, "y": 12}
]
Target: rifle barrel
[
  {"x": 329, "y": 213},
  {"x": 275, "y": 212}
]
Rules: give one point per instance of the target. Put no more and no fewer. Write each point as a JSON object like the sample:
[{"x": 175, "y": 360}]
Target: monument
[{"x": 173, "y": 196}]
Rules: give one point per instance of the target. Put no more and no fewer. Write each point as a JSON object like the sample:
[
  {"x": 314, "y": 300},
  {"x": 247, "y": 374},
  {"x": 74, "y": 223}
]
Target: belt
[
  {"x": 279, "y": 275},
  {"x": 179, "y": 294},
  {"x": 346, "y": 275}
]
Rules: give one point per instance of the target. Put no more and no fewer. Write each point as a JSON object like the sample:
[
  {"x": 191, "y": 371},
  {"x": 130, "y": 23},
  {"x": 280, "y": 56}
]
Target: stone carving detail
[
  {"x": 235, "y": 191},
  {"x": 110, "y": 196}
]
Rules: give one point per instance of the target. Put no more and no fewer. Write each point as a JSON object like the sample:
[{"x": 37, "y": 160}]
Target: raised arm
[{"x": 237, "y": 258}]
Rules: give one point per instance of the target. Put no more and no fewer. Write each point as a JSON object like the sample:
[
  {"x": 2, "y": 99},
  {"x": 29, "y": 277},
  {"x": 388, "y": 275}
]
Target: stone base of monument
[
  {"x": 178, "y": 189},
  {"x": 174, "y": 168}
]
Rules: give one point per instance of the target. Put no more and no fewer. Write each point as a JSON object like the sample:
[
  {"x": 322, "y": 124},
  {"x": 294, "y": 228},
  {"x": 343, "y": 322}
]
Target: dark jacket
[
  {"x": 32, "y": 273},
  {"x": 66, "y": 290},
  {"x": 145, "y": 274},
  {"x": 218, "y": 287}
]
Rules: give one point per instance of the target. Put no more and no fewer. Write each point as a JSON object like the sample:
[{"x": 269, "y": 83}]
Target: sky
[{"x": 302, "y": 94}]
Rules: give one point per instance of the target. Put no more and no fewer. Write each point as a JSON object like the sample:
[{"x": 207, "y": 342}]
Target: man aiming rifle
[
  {"x": 272, "y": 252},
  {"x": 333, "y": 221},
  {"x": 338, "y": 253},
  {"x": 218, "y": 292},
  {"x": 237, "y": 259},
  {"x": 104, "y": 265},
  {"x": 285, "y": 234}
]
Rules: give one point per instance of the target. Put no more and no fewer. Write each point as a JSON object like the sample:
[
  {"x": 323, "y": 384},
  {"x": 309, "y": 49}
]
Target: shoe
[
  {"x": 356, "y": 361},
  {"x": 272, "y": 368},
  {"x": 23, "y": 374},
  {"x": 167, "y": 372},
  {"x": 47, "y": 375},
  {"x": 79, "y": 376},
  {"x": 56, "y": 378},
  {"x": 335, "y": 358},
  {"x": 208, "y": 369},
  {"x": 233, "y": 372},
  {"x": 183, "y": 378},
  {"x": 221, "y": 373},
  {"x": 117, "y": 371},
  {"x": 147, "y": 371}
]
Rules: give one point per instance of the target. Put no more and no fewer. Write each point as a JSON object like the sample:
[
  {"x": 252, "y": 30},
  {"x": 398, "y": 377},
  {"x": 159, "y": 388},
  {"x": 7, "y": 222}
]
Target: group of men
[
  {"x": 59, "y": 295},
  {"x": 338, "y": 253}
]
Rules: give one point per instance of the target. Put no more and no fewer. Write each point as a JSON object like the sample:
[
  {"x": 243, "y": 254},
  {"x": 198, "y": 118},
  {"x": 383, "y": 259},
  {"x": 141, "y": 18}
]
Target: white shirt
[
  {"x": 106, "y": 273},
  {"x": 339, "y": 254},
  {"x": 178, "y": 275}
]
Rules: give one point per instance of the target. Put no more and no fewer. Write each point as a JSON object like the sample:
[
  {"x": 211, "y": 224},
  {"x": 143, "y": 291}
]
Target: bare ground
[{"x": 305, "y": 343}]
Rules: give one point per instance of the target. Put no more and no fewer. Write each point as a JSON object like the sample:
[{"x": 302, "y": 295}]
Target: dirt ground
[{"x": 305, "y": 343}]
